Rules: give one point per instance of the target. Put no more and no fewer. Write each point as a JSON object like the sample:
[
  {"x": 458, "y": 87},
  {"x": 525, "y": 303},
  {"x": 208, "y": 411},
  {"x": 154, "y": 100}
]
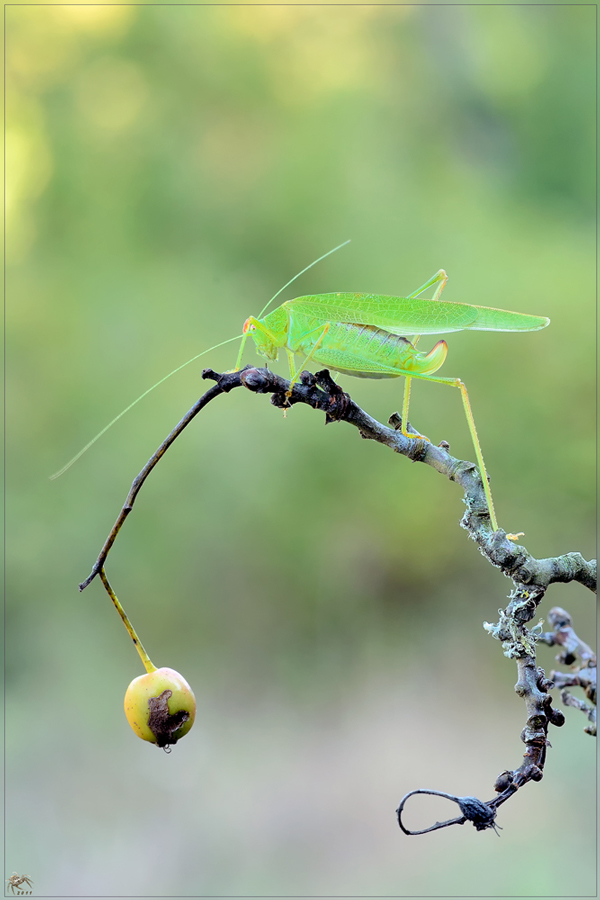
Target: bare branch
[{"x": 530, "y": 576}]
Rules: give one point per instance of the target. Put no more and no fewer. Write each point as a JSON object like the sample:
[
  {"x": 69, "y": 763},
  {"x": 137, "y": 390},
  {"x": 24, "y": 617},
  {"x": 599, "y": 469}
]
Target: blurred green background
[{"x": 168, "y": 169}]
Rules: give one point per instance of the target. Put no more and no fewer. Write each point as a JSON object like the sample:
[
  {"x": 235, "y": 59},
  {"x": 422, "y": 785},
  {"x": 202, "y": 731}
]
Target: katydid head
[
  {"x": 270, "y": 333},
  {"x": 261, "y": 337}
]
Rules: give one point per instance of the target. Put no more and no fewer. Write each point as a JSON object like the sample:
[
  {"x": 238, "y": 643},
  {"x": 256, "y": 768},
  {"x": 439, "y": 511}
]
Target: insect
[
  {"x": 375, "y": 336},
  {"x": 368, "y": 336}
]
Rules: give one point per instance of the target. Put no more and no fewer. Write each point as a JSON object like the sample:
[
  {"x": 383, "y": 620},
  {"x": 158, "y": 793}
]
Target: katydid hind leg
[
  {"x": 456, "y": 382},
  {"x": 441, "y": 285},
  {"x": 440, "y": 278}
]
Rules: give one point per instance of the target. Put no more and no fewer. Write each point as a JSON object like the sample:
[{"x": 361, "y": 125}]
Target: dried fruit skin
[{"x": 160, "y": 706}]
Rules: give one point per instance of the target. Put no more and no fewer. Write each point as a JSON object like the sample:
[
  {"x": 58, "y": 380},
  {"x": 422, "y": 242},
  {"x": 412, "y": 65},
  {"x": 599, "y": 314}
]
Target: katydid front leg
[{"x": 295, "y": 373}]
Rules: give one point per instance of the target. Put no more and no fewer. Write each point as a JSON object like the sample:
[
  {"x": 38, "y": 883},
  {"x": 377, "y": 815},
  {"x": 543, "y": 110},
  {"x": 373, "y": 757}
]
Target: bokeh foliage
[{"x": 168, "y": 169}]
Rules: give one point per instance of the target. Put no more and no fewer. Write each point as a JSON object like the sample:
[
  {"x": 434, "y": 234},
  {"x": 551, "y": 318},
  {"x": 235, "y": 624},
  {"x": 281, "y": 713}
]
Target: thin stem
[
  {"x": 148, "y": 664},
  {"x": 211, "y": 393}
]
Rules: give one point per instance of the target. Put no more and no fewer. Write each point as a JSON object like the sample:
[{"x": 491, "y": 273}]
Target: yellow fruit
[{"x": 160, "y": 706}]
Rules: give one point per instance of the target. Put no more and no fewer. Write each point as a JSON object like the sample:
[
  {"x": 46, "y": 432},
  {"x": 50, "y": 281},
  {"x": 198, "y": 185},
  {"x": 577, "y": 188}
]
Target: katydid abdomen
[{"x": 364, "y": 351}]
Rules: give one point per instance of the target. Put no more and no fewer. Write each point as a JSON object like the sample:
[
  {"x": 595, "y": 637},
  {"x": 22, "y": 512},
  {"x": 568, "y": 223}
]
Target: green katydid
[{"x": 365, "y": 335}]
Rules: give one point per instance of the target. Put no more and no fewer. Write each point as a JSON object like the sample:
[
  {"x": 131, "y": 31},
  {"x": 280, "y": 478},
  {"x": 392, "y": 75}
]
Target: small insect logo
[{"x": 15, "y": 881}]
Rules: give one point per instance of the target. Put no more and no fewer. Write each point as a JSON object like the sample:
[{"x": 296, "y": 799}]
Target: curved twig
[
  {"x": 225, "y": 384},
  {"x": 480, "y": 814}
]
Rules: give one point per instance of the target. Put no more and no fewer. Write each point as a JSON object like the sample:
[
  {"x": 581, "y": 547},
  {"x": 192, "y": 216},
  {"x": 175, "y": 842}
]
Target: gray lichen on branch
[{"x": 583, "y": 672}]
